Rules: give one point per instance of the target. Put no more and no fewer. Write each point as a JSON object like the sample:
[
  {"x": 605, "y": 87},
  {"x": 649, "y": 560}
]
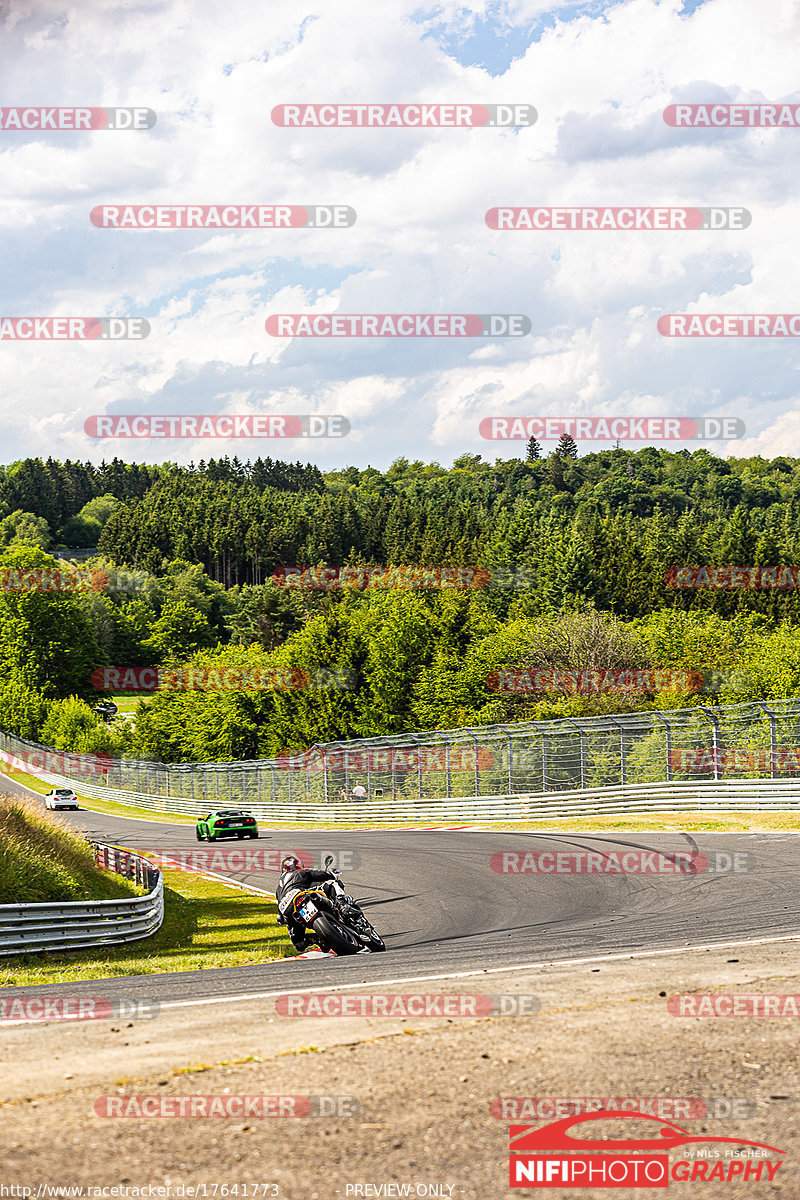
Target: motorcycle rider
[{"x": 295, "y": 876}]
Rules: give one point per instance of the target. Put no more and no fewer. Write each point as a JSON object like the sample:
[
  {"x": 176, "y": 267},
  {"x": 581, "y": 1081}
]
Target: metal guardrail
[
  {"x": 76, "y": 924},
  {"x": 745, "y": 795}
]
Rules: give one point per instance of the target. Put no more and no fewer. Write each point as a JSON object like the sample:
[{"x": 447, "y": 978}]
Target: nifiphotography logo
[{"x": 551, "y": 1156}]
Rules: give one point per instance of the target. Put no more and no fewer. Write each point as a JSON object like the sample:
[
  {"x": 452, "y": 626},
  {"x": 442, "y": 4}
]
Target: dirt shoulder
[{"x": 422, "y": 1086}]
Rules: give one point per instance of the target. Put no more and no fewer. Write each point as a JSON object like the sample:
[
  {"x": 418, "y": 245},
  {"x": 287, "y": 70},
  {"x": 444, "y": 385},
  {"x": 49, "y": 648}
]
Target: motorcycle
[{"x": 336, "y": 924}]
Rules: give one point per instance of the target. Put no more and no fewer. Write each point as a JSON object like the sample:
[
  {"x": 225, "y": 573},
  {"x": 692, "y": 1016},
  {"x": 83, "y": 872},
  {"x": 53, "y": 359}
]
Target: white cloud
[{"x": 213, "y": 74}]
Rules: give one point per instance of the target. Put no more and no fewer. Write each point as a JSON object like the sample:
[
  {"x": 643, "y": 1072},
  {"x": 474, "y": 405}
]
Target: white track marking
[{"x": 563, "y": 962}]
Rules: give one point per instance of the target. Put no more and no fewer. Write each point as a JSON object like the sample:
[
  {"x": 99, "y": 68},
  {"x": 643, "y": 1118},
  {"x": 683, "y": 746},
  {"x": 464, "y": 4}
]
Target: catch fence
[{"x": 756, "y": 740}]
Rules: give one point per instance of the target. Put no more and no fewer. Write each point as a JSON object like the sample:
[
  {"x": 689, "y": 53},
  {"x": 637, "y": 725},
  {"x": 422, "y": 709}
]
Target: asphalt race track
[{"x": 441, "y": 909}]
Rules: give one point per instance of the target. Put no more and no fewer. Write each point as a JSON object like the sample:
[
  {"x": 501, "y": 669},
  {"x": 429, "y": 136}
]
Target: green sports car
[{"x": 228, "y": 822}]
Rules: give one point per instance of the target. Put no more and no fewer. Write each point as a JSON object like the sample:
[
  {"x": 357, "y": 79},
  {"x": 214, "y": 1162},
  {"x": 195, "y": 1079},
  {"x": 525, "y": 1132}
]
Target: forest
[{"x": 577, "y": 558}]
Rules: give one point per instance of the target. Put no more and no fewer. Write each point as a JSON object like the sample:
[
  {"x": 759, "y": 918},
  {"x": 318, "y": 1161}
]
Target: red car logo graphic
[{"x": 528, "y": 1139}]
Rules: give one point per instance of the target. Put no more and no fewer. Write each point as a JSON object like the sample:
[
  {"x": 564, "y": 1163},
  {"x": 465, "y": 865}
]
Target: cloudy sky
[{"x": 599, "y": 75}]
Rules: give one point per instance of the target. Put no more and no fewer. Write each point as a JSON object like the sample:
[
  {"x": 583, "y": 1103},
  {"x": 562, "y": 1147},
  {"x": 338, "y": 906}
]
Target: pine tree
[
  {"x": 567, "y": 447},
  {"x": 555, "y": 471},
  {"x": 534, "y": 451}
]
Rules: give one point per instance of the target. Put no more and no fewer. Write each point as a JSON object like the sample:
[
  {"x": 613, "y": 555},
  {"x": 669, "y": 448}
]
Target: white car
[{"x": 61, "y": 798}]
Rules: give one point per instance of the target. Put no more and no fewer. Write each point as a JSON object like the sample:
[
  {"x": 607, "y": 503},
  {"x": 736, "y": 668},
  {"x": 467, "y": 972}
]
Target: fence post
[
  {"x": 717, "y": 740},
  {"x": 621, "y": 729},
  {"x": 583, "y": 751},
  {"x": 477, "y": 778},
  {"x": 664, "y": 721},
  {"x": 535, "y": 726},
  {"x": 510, "y": 760},
  {"x": 773, "y": 740},
  {"x": 448, "y": 770}
]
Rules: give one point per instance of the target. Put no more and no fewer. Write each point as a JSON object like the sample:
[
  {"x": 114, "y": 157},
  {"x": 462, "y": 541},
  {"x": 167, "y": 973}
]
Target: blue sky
[
  {"x": 492, "y": 40},
  {"x": 599, "y": 75}
]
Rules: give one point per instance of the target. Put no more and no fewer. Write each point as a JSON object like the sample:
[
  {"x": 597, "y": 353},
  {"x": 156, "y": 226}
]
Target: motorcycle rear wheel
[{"x": 335, "y": 936}]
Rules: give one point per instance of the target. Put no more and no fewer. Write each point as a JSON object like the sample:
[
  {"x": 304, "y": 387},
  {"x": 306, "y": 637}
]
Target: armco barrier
[
  {"x": 76, "y": 924},
  {"x": 747, "y": 795}
]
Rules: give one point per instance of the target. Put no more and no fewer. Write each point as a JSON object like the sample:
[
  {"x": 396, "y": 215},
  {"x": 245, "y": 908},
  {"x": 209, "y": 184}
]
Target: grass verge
[
  {"x": 690, "y": 822},
  {"x": 206, "y": 925},
  {"x": 128, "y": 701},
  {"x": 43, "y": 860}
]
